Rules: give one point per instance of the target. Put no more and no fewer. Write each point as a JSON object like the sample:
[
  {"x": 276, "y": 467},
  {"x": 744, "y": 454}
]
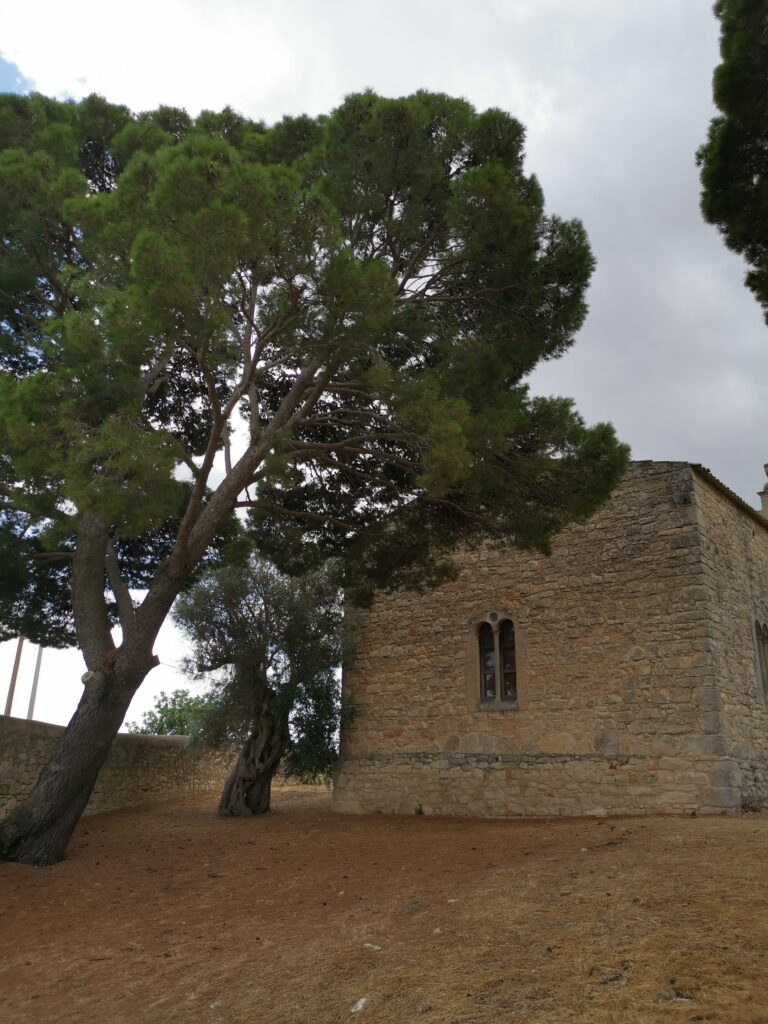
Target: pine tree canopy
[
  {"x": 734, "y": 159},
  {"x": 328, "y": 322}
]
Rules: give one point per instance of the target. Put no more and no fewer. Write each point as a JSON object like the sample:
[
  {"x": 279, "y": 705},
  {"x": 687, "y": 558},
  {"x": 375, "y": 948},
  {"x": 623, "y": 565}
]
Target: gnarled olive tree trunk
[{"x": 249, "y": 786}]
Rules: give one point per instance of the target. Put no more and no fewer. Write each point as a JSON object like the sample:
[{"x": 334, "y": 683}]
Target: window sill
[{"x": 507, "y": 705}]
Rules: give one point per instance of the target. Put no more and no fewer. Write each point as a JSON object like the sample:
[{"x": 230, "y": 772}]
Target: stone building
[{"x": 627, "y": 673}]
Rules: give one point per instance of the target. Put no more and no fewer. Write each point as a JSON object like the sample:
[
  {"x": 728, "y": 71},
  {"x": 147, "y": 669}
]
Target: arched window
[{"x": 498, "y": 661}]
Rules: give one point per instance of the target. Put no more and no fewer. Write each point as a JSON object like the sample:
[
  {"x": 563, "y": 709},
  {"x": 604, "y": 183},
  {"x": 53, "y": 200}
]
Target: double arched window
[
  {"x": 761, "y": 643},
  {"x": 498, "y": 660}
]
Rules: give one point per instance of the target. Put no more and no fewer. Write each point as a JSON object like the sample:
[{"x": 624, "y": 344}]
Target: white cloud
[{"x": 144, "y": 54}]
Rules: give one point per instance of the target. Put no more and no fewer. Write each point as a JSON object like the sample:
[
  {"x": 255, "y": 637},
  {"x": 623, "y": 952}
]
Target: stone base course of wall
[
  {"x": 139, "y": 769},
  {"x": 502, "y": 786}
]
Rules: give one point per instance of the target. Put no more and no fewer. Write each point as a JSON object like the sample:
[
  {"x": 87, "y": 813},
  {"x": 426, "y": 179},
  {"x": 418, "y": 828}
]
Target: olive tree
[{"x": 271, "y": 646}]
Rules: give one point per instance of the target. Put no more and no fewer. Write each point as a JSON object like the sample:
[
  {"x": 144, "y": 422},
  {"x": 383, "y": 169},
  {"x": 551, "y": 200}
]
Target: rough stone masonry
[{"x": 640, "y": 686}]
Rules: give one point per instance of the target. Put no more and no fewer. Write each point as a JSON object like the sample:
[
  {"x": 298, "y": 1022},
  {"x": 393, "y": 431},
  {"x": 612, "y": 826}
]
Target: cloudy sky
[{"x": 616, "y": 98}]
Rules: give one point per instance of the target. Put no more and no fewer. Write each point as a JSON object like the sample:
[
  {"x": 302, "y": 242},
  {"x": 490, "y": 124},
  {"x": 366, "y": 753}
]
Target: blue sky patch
[{"x": 12, "y": 80}]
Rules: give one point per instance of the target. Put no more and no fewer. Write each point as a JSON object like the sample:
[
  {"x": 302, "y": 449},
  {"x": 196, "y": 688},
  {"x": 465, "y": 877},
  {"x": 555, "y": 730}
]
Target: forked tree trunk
[
  {"x": 39, "y": 830},
  {"x": 249, "y": 786}
]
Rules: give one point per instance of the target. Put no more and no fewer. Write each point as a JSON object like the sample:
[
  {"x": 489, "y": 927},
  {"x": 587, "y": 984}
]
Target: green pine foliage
[
  {"x": 734, "y": 159},
  {"x": 362, "y": 295}
]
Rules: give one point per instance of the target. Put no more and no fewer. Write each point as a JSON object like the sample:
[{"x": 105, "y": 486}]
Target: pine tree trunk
[
  {"x": 249, "y": 786},
  {"x": 38, "y": 832}
]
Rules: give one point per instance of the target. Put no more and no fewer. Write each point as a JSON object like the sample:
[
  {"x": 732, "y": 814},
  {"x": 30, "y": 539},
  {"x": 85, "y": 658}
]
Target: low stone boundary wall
[{"x": 139, "y": 769}]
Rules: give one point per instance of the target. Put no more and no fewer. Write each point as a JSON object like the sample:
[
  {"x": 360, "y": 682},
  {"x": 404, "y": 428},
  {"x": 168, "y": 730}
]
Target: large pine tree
[{"x": 328, "y": 323}]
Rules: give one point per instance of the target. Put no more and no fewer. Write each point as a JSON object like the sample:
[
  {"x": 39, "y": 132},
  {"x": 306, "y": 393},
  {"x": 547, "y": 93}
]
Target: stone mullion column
[{"x": 497, "y": 660}]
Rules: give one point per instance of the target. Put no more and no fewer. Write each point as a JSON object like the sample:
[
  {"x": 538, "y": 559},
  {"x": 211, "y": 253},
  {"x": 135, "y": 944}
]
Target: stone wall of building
[
  {"x": 617, "y": 699},
  {"x": 735, "y": 555},
  {"x": 139, "y": 769}
]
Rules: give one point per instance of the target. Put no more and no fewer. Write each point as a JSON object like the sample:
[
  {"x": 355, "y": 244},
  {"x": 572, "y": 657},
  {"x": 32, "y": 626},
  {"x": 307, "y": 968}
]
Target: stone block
[
  {"x": 725, "y": 774},
  {"x": 713, "y": 745}
]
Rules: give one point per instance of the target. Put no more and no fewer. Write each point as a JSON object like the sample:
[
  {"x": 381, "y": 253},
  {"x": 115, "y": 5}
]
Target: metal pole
[
  {"x": 12, "y": 688},
  {"x": 33, "y": 695}
]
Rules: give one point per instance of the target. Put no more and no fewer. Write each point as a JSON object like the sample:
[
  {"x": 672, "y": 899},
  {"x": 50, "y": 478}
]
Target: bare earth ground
[{"x": 170, "y": 913}]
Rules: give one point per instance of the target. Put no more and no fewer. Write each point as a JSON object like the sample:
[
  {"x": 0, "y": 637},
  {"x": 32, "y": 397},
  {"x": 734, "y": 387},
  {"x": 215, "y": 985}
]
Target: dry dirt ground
[{"x": 170, "y": 913}]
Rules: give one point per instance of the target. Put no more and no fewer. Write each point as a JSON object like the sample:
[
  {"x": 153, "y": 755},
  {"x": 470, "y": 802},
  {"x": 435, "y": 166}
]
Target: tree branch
[
  {"x": 223, "y": 499},
  {"x": 88, "y": 604},
  {"x": 43, "y": 557},
  {"x": 315, "y": 517},
  {"x": 125, "y": 609}
]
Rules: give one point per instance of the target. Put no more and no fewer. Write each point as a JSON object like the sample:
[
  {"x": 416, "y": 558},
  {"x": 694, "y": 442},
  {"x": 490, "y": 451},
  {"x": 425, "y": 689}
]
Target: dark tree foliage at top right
[{"x": 734, "y": 159}]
